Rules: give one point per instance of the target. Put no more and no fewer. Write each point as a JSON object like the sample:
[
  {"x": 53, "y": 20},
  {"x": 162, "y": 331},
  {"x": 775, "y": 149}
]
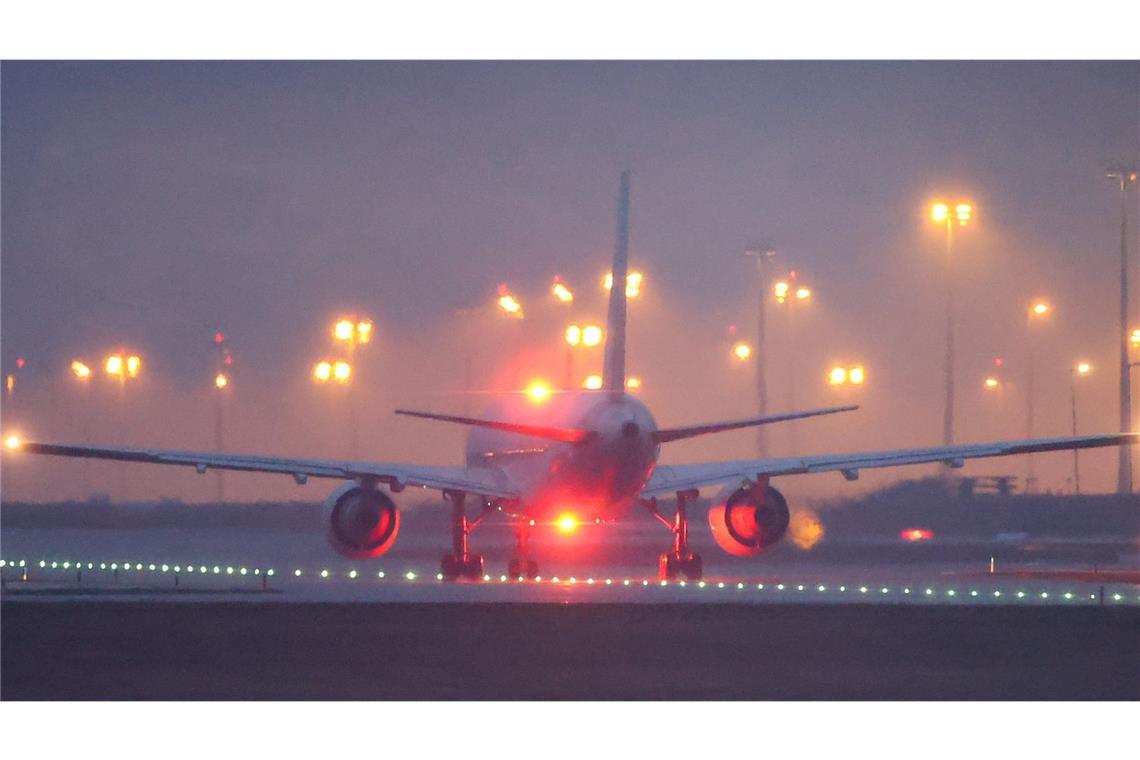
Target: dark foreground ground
[{"x": 93, "y": 650}]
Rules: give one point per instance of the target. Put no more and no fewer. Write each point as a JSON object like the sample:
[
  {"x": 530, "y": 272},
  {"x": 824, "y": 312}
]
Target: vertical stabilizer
[{"x": 613, "y": 372}]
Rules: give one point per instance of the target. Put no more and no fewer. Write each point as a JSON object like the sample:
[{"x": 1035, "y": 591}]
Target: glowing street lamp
[
  {"x": 322, "y": 371},
  {"x": 1134, "y": 338},
  {"x": 352, "y": 331},
  {"x": 508, "y": 304},
  {"x": 839, "y": 375},
  {"x": 122, "y": 366},
  {"x": 221, "y": 381},
  {"x": 633, "y": 383},
  {"x": 742, "y": 351},
  {"x": 991, "y": 383},
  {"x": 632, "y": 283},
  {"x": 591, "y": 335},
  {"x": 780, "y": 291},
  {"x": 561, "y": 292},
  {"x": 573, "y": 335},
  {"x": 80, "y": 370},
  {"x": 1080, "y": 369},
  {"x": 593, "y": 383},
  {"x": 342, "y": 372}
]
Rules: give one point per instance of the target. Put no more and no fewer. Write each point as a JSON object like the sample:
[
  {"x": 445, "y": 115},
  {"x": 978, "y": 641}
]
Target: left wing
[
  {"x": 681, "y": 477},
  {"x": 484, "y": 482}
]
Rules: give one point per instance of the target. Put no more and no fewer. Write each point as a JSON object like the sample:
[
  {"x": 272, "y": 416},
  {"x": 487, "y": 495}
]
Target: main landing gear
[
  {"x": 462, "y": 563},
  {"x": 521, "y": 565},
  {"x": 680, "y": 561}
]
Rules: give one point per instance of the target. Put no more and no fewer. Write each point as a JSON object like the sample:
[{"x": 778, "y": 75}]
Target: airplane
[{"x": 589, "y": 454}]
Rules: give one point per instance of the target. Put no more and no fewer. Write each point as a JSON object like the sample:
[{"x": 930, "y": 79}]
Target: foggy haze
[{"x": 147, "y": 205}]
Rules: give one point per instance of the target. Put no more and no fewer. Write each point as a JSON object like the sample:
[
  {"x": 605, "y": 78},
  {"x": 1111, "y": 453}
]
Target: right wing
[
  {"x": 665, "y": 435},
  {"x": 484, "y": 482},
  {"x": 681, "y": 477}
]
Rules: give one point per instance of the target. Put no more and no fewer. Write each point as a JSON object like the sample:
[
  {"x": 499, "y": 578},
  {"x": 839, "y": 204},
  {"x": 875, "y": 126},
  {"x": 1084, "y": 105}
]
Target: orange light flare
[
  {"x": 538, "y": 391},
  {"x": 12, "y": 442},
  {"x": 567, "y": 524},
  {"x": 221, "y": 381},
  {"x": 805, "y": 528},
  {"x": 633, "y": 383},
  {"x": 322, "y": 371},
  {"x": 593, "y": 383},
  {"x": 342, "y": 372},
  {"x": 1039, "y": 308},
  {"x": 991, "y": 383},
  {"x": 916, "y": 534},
  {"x": 742, "y": 351},
  {"x": 573, "y": 335},
  {"x": 80, "y": 370},
  {"x": 561, "y": 292}
]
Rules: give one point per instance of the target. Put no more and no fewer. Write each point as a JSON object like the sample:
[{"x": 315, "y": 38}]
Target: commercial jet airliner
[{"x": 591, "y": 454}]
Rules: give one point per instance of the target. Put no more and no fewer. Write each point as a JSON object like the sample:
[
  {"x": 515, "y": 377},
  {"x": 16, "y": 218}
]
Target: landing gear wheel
[
  {"x": 450, "y": 567},
  {"x": 671, "y": 567},
  {"x": 515, "y": 569},
  {"x": 453, "y": 568},
  {"x": 473, "y": 567}
]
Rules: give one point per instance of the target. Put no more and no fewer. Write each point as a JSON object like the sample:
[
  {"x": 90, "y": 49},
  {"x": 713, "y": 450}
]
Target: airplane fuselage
[{"x": 598, "y": 478}]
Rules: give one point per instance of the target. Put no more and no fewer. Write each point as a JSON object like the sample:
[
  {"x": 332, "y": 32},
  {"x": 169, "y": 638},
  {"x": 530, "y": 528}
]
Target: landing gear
[
  {"x": 680, "y": 562},
  {"x": 521, "y": 565},
  {"x": 462, "y": 563}
]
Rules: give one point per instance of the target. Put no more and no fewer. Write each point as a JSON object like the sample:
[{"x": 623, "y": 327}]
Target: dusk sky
[{"x": 147, "y": 205}]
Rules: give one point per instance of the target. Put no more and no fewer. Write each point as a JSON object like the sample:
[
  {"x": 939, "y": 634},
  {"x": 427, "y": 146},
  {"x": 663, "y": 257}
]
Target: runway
[{"x": 112, "y": 651}]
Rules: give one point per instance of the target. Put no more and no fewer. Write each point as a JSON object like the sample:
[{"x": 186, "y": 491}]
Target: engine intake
[
  {"x": 748, "y": 520},
  {"x": 363, "y": 521}
]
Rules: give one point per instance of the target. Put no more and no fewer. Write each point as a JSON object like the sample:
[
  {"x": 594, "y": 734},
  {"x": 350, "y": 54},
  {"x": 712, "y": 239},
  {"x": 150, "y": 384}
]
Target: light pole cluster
[{"x": 349, "y": 332}]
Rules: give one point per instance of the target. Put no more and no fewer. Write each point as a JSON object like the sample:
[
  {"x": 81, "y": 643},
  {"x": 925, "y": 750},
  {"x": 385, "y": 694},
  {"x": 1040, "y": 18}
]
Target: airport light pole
[
  {"x": 958, "y": 216},
  {"x": 82, "y": 374},
  {"x": 1038, "y": 311},
  {"x": 1123, "y": 178},
  {"x": 1080, "y": 369},
  {"x": 351, "y": 331},
  {"x": 122, "y": 367},
  {"x": 763, "y": 255},
  {"x": 791, "y": 294},
  {"x": 222, "y": 362}
]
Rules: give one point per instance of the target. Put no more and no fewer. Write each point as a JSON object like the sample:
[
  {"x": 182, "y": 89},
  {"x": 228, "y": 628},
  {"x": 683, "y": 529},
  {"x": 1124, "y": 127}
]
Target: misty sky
[{"x": 148, "y": 204}]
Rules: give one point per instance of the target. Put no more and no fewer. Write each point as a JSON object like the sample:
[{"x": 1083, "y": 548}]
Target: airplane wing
[
  {"x": 485, "y": 482},
  {"x": 680, "y": 477}
]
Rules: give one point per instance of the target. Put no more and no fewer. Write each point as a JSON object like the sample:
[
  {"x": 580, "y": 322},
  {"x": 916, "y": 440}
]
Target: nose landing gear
[{"x": 680, "y": 561}]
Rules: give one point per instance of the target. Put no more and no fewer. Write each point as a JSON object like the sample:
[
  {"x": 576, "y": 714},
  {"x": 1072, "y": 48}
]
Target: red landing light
[{"x": 916, "y": 534}]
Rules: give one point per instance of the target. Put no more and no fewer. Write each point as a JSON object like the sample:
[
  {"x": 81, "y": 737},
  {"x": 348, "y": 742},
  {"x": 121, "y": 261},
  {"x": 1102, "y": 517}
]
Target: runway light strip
[{"x": 412, "y": 576}]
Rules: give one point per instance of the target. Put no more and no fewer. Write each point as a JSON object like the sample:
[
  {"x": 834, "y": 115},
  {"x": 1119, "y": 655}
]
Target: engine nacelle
[
  {"x": 749, "y": 519},
  {"x": 363, "y": 521}
]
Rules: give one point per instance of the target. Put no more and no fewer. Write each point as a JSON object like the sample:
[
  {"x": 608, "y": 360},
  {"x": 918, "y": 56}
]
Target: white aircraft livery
[{"x": 588, "y": 455}]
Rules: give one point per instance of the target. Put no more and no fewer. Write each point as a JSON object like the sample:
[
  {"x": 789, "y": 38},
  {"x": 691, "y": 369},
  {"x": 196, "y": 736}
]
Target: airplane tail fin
[{"x": 613, "y": 371}]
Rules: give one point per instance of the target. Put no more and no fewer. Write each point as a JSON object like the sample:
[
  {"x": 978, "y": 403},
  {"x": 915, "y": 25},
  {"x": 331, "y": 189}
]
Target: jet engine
[
  {"x": 363, "y": 521},
  {"x": 749, "y": 519}
]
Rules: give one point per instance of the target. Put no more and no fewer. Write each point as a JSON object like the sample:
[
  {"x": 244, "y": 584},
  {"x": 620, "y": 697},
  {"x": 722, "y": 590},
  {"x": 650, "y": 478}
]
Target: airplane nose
[{"x": 630, "y": 429}]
